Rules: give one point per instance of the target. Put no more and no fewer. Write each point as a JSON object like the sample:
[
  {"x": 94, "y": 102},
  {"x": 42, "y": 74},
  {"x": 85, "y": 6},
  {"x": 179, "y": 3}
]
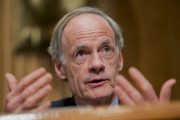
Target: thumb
[
  {"x": 12, "y": 81},
  {"x": 43, "y": 106},
  {"x": 166, "y": 90}
]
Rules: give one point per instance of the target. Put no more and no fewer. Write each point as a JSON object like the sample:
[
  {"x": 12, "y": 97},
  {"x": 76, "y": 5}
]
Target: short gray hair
[{"x": 55, "y": 48}]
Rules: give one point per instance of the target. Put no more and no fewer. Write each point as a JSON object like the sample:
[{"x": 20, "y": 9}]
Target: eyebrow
[
  {"x": 81, "y": 47},
  {"x": 105, "y": 42},
  {"x": 84, "y": 46}
]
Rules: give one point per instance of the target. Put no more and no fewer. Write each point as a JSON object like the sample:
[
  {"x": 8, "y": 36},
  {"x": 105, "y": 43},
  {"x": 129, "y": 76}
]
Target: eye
[
  {"x": 106, "y": 49},
  {"x": 80, "y": 53},
  {"x": 107, "y": 52}
]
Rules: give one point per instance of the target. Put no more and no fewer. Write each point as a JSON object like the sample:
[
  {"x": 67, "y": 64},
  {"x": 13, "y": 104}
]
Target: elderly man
[{"x": 86, "y": 50}]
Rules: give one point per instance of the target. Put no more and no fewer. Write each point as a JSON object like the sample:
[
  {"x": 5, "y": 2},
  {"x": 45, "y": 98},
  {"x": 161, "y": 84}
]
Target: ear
[
  {"x": 120, "y": 64},
  {"x": 59, "y": 68}
]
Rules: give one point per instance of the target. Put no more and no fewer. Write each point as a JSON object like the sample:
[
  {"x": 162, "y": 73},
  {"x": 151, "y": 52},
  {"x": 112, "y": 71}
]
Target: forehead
[{"x": 85, "y": 26}]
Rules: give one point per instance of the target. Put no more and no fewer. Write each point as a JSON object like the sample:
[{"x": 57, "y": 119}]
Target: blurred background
[{"x": 151, "y": 30}]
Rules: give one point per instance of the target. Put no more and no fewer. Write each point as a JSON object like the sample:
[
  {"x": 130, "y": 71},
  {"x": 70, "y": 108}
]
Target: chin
[{"x": 100, "y": 93}]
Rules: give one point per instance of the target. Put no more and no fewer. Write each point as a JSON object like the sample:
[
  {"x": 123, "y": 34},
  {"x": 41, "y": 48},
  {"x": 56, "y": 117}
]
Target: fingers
[
  {"x": 12, "y": 82},
  {"x": 165, "y": 92},
  {"x": 129, "y": 90},
  {"x": 144, "y": 85},
  {"x": 128, "y": 95},
  {"x": 44, "y": 80},
  {"x": 44, "y": 106},
  {"x": 123, "y": 96},
  {"x": 34, "y": 99},
  {"x": 29, "y": 91},
  {"x": 29, "y": 79}
]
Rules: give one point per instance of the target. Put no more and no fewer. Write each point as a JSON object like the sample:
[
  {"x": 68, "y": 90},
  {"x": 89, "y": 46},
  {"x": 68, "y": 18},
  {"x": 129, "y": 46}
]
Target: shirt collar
[{"x": 115, "y": 101}]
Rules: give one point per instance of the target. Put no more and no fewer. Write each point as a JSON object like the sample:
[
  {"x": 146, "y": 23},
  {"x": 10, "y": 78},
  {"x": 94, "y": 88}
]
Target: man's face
[{"x": 91, "y": 59}]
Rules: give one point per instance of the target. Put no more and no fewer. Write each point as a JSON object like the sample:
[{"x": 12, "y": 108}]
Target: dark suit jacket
[{"x": 65, "y": 102}]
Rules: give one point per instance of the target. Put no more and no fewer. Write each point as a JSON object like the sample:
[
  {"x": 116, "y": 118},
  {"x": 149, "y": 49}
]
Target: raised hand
[
  {"x": 128, "y": 95},
  {"x": 28, "y": 92}
]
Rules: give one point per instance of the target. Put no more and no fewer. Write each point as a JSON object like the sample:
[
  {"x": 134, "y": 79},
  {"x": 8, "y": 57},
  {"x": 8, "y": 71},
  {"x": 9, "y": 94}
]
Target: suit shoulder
[{"x": 69, "y": 101}]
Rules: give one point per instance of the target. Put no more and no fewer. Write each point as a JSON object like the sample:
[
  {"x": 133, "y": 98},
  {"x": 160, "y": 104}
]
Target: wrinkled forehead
[
  {"x": 86, "y": 22},
  {"x": 86, "y": 19}
]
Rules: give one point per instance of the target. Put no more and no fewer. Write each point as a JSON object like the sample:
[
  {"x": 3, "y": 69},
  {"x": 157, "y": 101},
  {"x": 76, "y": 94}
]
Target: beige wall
[{"x": 151, "y": 32}]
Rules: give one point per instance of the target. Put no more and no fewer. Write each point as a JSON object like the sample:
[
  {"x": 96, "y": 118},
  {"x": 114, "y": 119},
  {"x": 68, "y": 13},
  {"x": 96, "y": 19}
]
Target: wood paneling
[
  {"x": 1, "y": 61},
  {"x": 6, "y": 47},
  {"x": 148, "y": 112}
]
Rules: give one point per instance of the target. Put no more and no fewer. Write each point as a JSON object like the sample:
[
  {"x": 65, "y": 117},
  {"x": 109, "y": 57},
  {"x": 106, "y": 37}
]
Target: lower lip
[{"x": 97, "y": 84}]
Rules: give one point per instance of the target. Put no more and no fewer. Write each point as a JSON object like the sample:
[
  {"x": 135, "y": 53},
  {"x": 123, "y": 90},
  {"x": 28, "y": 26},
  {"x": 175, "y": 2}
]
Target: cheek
[
  {"x": 112, "y": 67},
  {"x": 113, "y": 63},
  {"x": 75, "y": 77},
  {"x": 73, "y": 81}
]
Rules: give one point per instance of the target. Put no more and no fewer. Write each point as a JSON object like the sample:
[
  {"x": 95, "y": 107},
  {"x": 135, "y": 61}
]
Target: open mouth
[{"x": 96, "y": 82}]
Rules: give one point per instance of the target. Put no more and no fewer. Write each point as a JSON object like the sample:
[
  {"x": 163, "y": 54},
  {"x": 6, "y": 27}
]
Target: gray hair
[{"x": 55, "y": 48}]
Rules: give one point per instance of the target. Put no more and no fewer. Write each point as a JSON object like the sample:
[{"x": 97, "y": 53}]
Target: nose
[{"x": 96, "y": 64}]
